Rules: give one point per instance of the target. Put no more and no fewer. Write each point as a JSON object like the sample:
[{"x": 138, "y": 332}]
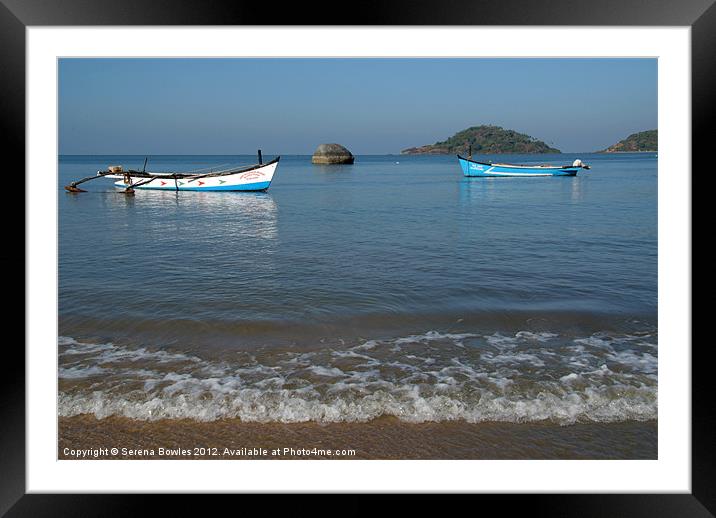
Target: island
[
  {"x": 643, "y": 141},
  {"x": 484, "y": 139}
]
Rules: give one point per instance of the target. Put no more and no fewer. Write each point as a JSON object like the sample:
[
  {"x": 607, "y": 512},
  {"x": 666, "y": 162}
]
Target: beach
[{"x": 385, "y": 438}]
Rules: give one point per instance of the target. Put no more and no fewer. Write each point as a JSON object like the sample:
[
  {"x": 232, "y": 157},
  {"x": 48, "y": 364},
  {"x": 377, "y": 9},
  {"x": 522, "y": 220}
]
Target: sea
[{"x": 391, "y": 307}]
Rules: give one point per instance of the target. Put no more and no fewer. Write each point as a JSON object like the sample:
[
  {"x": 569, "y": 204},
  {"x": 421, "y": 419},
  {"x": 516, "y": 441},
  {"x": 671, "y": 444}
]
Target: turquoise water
[{"x": 393, "y": 286}]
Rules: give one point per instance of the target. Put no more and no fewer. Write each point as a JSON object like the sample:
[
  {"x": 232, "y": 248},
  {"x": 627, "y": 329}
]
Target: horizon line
[{"x": 354, "y": 154}]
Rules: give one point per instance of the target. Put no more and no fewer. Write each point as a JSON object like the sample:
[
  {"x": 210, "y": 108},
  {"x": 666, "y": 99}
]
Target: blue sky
[{"x": 372, "y": 106}]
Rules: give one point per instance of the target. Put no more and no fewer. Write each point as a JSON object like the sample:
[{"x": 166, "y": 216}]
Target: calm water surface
[{"x": 391, "y": 287}]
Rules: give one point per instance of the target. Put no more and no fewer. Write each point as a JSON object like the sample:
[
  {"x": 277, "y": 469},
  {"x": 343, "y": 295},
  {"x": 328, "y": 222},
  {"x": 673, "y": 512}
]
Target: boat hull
[
  {"x": 256, "y": 179},
  {"x": 472, "y": 168}
]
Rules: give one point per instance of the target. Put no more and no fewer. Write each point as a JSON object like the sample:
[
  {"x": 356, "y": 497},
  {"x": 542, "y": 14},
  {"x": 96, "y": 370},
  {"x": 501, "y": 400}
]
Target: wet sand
[{"x": 384, "y": 438}]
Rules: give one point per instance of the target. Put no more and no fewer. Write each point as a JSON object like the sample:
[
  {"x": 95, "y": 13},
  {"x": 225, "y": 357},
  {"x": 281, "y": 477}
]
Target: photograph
[{"x": 357, "y": 258}]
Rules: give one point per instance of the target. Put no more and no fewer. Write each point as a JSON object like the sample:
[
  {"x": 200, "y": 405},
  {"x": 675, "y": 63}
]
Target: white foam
[
  {"x": 569, "y": 378},
  {"x": 406, "y": 403},
  {"x": 643, "y": 362},
  {"x": 396, "y": 344},
  {"x": 597, "y": 378},
  {"x": 326, "y": 371},
  {"x": 434, "y": 335},
  {"x": 515, "y": 358},
  {"x": 80, "y": 372},
  {"x": 86, "y": 349},
  {"x": 351, "y": 354},
  {"x": 109, "y": 352},
  {"x": 500, "y": 340},
  {"x": 595, "y": 341},
  {"x": 539, "y": 337}
]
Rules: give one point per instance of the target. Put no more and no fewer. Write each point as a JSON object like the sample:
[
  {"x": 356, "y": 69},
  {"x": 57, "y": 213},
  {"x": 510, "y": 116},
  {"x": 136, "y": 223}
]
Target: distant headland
[
  {"x": 485, "y": 140},
  {"x": 636, "y": 142}
]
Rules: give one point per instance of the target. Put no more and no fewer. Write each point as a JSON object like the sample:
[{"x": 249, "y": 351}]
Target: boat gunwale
[{"x": 178, "y": 175}]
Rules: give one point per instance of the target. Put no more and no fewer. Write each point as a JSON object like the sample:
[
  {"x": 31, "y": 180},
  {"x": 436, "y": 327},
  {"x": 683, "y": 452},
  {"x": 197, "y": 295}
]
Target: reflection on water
[
  {"x": 163, "y": 255},
  {"x": 576, "y": 189},
  {"x": 246, "y": 214},
  {"x": 484, "y": 189},
  {"x": 242, "y": 201},
  {"x": 333, "y": 168},
  {"x": 475, "y": 189}
]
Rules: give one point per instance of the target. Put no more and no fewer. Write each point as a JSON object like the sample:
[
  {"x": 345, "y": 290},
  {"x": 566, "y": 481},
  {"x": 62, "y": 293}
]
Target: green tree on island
[
  {"x": 636, "y": 142},
  {"x": 484, "y": 139}
]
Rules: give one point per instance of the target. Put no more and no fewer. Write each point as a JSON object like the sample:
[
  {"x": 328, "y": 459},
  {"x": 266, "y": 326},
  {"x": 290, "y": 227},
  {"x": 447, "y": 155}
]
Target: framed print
[{"x": 447, "y": 251}]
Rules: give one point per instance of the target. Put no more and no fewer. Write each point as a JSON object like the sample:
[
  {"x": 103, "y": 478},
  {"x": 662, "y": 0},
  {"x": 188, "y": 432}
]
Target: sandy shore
[{"x": 385, "y": 438}]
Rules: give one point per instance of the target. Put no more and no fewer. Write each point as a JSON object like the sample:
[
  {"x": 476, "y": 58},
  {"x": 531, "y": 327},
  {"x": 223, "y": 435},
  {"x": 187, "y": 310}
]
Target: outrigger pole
[
  {"x": 73, "y": 186},
  {"x": 127, "y": 177}
]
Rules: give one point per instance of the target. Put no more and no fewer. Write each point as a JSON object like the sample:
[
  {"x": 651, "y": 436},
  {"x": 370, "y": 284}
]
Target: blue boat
[{"x": 488, "y": 169}]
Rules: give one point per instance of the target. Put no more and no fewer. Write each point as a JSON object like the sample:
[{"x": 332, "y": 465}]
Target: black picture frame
[{"x": 16, "y": 15}]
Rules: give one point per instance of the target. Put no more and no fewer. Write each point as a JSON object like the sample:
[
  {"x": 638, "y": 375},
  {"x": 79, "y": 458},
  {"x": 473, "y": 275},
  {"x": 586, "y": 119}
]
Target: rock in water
[{"x": 332, "y": 154}]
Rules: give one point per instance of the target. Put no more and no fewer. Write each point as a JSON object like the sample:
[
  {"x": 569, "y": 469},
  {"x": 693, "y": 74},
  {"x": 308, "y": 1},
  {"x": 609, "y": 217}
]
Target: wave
[
  {"x": 431, "y": 377},
  {"x": 253, "y": 405}
]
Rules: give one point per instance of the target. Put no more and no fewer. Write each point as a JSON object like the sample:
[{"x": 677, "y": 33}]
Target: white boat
[{"x": 256, "y": 177}]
